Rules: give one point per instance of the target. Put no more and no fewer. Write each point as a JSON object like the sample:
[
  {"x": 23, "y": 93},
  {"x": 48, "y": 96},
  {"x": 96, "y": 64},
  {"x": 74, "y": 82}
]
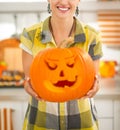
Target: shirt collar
[{"x": 46, "y": 35}]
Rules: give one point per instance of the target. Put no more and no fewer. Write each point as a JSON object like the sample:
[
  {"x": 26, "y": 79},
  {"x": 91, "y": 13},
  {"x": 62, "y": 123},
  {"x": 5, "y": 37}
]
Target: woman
[{"x": 56, "y": 31}]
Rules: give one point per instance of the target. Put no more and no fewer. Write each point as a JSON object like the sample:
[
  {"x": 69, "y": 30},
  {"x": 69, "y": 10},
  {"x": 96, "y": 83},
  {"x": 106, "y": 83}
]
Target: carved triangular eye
[
  {"x": 70, "y": 62},
  {"x": 70, "y": 65},
  {"x": 51, "y": 65}
]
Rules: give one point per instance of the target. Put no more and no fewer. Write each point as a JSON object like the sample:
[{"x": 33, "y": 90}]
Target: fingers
[
  {"x": 92, "y": 92},
  {"x": 29, "y": 90}
]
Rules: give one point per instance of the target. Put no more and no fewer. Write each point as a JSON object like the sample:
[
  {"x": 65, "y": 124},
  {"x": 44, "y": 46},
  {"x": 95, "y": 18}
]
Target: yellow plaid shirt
[{"x": 72, "y": 115}]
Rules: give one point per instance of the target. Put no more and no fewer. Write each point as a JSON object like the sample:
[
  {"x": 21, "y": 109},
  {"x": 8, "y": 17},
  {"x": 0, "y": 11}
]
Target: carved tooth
[{"x": 66, "y": 86}]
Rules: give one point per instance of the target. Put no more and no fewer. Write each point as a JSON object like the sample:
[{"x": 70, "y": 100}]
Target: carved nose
[{"x": 61, "y": 73}]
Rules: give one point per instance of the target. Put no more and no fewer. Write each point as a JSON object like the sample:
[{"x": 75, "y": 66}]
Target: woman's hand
[
  {"x": 29, "y": 89},
  {"x": 92, "y": 92},
  {"x": 27, "y": 60}
]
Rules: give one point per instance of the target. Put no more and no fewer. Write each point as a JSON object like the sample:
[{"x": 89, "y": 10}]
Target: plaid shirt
[{"x": 72, "y": 115}]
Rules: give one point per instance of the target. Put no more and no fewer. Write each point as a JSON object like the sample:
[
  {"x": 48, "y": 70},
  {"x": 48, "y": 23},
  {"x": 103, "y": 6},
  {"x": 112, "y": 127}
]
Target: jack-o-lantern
[{"x": 62, "y": 74}]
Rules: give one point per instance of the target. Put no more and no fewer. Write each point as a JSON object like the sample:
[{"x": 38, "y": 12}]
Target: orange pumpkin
[
  {"x": 107, "y": 68},
  {"x": 9, "y": 42},
  {"x": 62, "y": 74}
]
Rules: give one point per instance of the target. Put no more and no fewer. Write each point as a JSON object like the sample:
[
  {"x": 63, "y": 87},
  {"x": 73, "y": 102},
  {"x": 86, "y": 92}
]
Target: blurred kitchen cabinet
[
  {"x": 17, "y": 113},
  {"x": 105, "y": 114},
  {"x": 108, "y": 114},
  {"x": 117, "y": 115},
  {"x": 106, "y": 124},
  {"x": 24, "y": 108}
]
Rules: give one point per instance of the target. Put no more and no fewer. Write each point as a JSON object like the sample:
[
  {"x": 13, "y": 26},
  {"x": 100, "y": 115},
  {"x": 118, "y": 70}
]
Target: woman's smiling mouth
[{"x": 63, "y": 8}]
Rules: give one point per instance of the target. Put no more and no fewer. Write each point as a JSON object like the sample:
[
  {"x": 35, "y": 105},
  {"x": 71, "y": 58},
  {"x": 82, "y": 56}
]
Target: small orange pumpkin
[
  {"x": 107, "y": 68},
  {"x": 62, "y": 74}
]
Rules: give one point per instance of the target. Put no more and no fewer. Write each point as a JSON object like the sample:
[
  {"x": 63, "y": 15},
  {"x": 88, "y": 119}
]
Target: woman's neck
[{"x": 61, "y": 29}]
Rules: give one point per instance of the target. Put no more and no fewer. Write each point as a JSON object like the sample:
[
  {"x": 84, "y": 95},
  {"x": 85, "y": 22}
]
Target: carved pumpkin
[{"x": 62, "y": 74}]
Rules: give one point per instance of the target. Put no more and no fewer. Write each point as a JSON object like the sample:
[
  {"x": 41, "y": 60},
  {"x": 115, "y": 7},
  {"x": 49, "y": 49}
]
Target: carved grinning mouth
[{"x": 65, "y": 83}]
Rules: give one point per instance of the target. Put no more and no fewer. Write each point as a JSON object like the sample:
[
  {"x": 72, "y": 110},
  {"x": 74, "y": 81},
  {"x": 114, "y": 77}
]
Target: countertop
[
  {"x": 13, "y": 94},
  {"x": 110, "y": 88}
]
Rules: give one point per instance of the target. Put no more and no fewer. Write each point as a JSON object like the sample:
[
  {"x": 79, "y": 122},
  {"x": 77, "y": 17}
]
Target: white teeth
[{"x": 64, "y": 9}]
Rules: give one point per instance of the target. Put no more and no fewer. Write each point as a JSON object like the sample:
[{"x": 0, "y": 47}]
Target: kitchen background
[{"x": 103, "y": 15}]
